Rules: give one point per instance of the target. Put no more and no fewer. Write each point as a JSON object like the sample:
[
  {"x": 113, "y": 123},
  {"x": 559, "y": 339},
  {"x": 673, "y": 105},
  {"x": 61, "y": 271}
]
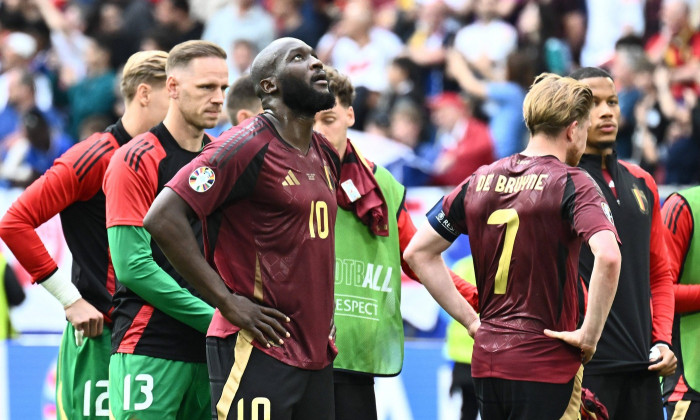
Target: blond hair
[
  {"x": 554, "y": 102},
  {"x": 184, "y": 52},
  {"x": 143, "y": 67}
]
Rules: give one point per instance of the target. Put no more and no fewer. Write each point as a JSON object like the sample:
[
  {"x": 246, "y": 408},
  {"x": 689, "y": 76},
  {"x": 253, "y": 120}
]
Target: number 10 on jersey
[{"x": 318, "y": 219}]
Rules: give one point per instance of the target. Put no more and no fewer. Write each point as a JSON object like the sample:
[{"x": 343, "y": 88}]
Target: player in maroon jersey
[
  {"x": 72, "y": 187},
  {"x": 526, "y": 216},
  {"x": 265, "y": 192}
]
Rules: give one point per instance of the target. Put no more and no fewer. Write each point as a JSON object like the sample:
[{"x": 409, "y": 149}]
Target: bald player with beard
[{"x": 265, "y": 192}]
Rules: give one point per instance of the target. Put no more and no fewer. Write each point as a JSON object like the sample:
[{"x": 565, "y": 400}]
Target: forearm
[
  {"x": 135, "y": 268},
  {"x": 173, "y": 234},
  {"x": 687, "y": 297},
  {"x": 601, "y": 293},
  {"x": 432, "y": 271}
]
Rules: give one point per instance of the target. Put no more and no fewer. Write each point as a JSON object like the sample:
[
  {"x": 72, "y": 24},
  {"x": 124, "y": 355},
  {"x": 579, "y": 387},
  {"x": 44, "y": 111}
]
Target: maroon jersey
[
  {"x": 268, "y": 214},
  {"x": 526, "y": 218}
]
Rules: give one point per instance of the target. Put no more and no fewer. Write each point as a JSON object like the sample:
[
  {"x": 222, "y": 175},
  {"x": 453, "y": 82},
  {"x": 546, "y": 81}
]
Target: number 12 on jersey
[{"x": 510, "y": 218}]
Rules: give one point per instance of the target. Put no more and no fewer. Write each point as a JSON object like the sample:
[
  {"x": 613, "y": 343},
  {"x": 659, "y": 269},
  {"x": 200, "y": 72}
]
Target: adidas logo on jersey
[{"x": 290, "y": 179}]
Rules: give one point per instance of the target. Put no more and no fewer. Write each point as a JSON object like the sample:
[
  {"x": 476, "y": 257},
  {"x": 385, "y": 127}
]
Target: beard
[
  {"x": 303, "y": 98},
  {"x": 602, "y": 144}
]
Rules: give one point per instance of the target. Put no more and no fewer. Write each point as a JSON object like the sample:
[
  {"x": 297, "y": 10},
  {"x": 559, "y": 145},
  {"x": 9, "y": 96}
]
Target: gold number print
[
  {"x": 320, "y": 209},
  {"x": 512, "y": 221}
]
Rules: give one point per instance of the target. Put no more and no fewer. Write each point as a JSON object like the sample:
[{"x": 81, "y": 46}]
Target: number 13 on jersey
[{"x": 510, "y": 218}]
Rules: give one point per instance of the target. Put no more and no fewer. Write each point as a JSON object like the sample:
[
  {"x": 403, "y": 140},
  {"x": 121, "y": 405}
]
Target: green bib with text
[
  {"x": 368, "y": 289},
  {"x": 690, "y": 324}
]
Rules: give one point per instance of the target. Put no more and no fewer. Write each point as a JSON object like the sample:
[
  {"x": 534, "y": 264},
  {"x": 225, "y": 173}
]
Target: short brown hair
[
  {"x": 341, "y": 86},
  {"x": 143, "y": 67},
  {"x": 554, "y": 102},
  {"x": 184, "y": 52},
  {"x": 241, "y": 95}
]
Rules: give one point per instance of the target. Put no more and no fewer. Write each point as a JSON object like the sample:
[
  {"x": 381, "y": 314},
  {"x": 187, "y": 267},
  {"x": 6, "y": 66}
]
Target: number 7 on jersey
[{"x": 510, "y": 218}]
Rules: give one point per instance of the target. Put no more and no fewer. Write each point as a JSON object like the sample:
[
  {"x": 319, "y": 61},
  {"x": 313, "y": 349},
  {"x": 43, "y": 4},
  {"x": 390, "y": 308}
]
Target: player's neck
[
  {"x": 185, "y": 134},
  {"x": 135, "y": 119},
  {"x": 296, "y": 130},
  {"x": 541, "y": 145},
  {"x": 600, "y": 151}
]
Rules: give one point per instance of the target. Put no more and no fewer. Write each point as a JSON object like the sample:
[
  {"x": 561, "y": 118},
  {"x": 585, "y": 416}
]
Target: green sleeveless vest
[
  {"x": 459, "y": 344},
  {"x": 690, "y": 324},
  {"x": 368, "y": 289},
  {"x": 5, "y": 327}
]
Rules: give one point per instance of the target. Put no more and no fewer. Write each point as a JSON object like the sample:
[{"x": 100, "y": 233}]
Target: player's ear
[
  {"x": 351, "y": 116},
  {"x": 172, "y": 86},
  {"x": 143, "y": 92},
  {"x": 269, "y": 85},
  {"x": 571, "y": 131}
]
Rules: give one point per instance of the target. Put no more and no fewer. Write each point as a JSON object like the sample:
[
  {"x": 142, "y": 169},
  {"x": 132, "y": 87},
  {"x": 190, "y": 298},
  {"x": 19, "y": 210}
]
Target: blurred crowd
[{"x": 440, "y": 83}]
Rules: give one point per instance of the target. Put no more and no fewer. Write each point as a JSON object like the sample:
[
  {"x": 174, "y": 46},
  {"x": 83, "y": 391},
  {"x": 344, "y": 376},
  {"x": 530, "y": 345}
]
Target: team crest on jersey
[
  {"x": 202, "y": 178},
  {"x": 607, "y": 212},
  {"x": 641, "y": 200}
]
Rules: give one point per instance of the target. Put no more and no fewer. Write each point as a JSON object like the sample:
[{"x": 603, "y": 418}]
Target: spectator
[
  {"x": 175, "y": 16},
  {"x": 22, "y": 99},
  {"x": 362, "y": 51},
  {"x": 95, "y": 94},
  {"x": 462, "y": 142},
  {"x": 17, "y": 50},
  {"x": 29, "y": 154},
  {"x": 241, "y": 58},
  {"x": 677, "y": 45},
  {"x": 608, "y": 21},
  {"x": 625, "y": 65},
  {"x": 291, "y": 22},
  {"x": 434, "y": 29},
  {"x": 240, "y": 19},
  {"x": 505, "y": 99},
  {"x": 67, "y": 38},
  {"x": 403, "y": 76},
  {"x": 502, "y": 39}
]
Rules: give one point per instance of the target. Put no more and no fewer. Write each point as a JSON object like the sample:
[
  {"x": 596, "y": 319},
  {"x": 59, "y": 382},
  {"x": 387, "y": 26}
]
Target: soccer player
[
  {"x": 72, "y": 187},
  {"x": 158, "y": 365},
  {"x": 682, "y": 389},
  {"x": 372, "y": 229},
  {"x": 526, "y": 216},
  {"x": 241, "y": 100},
  {"x": 634, "y": 348},
  {"x": 265, "y": 192}
]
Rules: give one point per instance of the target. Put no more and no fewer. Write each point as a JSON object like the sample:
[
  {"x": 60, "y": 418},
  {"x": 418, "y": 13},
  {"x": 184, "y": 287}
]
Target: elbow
[
  {"x": 611, "y": 260},
  {"x": 410, "y": 256}
]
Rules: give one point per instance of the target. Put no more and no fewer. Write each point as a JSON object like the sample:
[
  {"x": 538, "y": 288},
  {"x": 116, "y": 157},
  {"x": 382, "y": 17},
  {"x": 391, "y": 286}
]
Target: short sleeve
[
  {"x": 448, "y": 216},
  {"x": 226, "y": 170},
  {"x": 585, "y": 207},
  {"x": 130, "y": 188}
]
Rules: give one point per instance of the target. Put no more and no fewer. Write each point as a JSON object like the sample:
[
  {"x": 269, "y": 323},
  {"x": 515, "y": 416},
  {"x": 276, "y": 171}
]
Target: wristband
[{"x": 62, "y": 289}]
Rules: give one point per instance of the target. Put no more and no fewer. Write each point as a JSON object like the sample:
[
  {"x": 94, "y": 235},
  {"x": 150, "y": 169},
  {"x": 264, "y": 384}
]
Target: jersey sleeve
[
  {"x": 135, "y": 268},
  {"x": 662, "y": 299},
  {"x": 130, "y": 185},
  {"x": 75, "y": 176},
  {"x": 448, "y": 216},
  {"x": 585, "y": 207},
  {"x": 225, "y": 171},
  {"x": 678, "y": 222}
]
